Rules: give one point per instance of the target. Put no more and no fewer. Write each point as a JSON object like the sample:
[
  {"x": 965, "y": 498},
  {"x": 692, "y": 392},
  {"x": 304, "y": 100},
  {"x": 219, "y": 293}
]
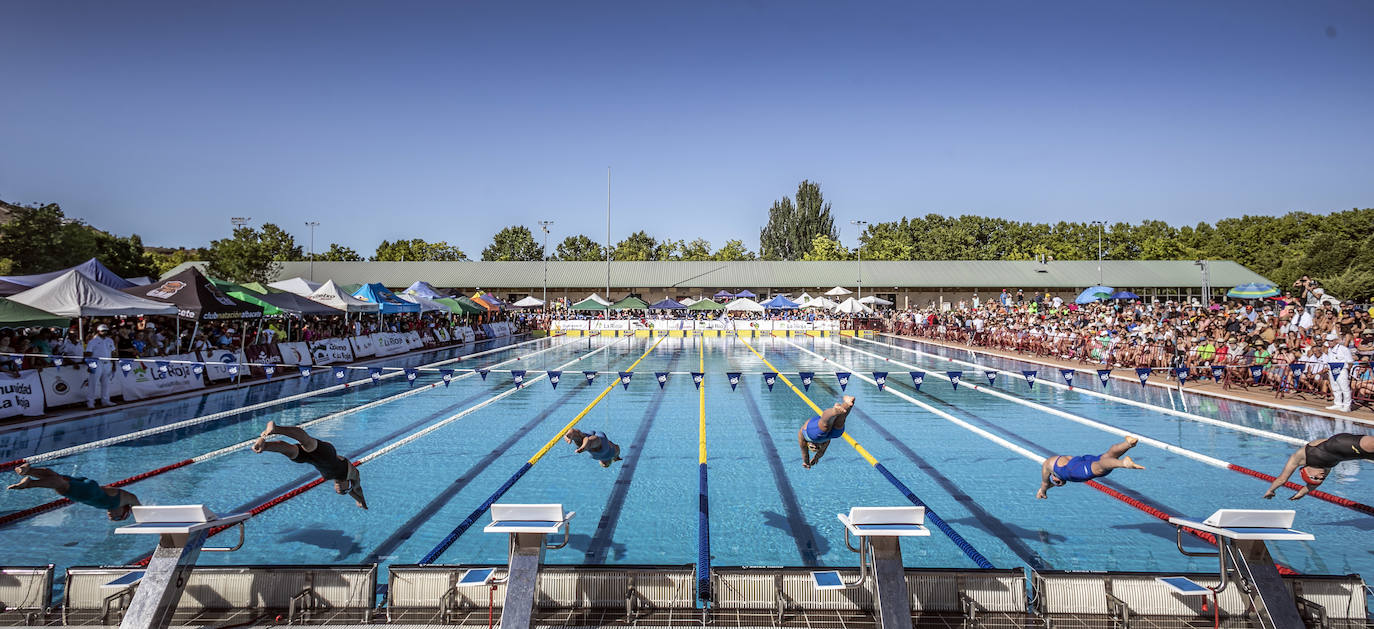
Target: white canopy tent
[
  {"x": 851, "y": 306},
  {"x": 331, "y": 295},
  {"x": 687, "y": 302},
  {"x": 426, "y": 304},
  {"x": 838, "y": 291},
  {"x": 820, "y": 303},
  {"x": 297, "y": 285},
  {"x": 874, "y": 300},
  {"x": 744, "y": 304},
  {"x": 528, "y": 302},
  {"x": 803, "y": 298},
  {"x": 75, "y": 295},
  {"x": 597, "y": 298}
]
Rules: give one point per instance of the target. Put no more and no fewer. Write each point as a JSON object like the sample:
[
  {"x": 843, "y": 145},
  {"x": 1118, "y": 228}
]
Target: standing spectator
[
  {"x": 1339, "y": 353},
  {"x": 102, "y": 348}
]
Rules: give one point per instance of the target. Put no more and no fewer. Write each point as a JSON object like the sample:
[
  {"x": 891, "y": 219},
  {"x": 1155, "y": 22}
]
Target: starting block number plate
[
  {"x": 827, "y": 580},
  {"x": 476, "y": 576},
  {"x": 1184, "y": 586}
]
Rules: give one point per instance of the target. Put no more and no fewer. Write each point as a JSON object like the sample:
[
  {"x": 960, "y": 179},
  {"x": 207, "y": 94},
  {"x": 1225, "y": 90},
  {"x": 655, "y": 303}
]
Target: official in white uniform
[
  {"x": 102, "y": 346},
  {"x": 1339, "y": 352}
]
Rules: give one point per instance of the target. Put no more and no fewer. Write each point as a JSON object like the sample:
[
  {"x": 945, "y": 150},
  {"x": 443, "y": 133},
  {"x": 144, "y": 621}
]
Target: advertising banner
[
  {"x": 441, "y": 335},
  {"x": 388, "y": 343},
  {"x": 146, "y": 380},
  {"x": 22, "y": 395},
  {"x": 413, "y": 340},
  {"x": 363, "y": 346},
  {"x": 330, "y": 351},
  {"x": 217, "y": 365},
  {"x": 266, "y": 353},
  {"x": 67, "y": 385},
  {"x": 572, "y": 324},
  {"x": 294, "y": 353},
  {"x": 468, "y": 335},
  {"x": 623, "y": 326}
]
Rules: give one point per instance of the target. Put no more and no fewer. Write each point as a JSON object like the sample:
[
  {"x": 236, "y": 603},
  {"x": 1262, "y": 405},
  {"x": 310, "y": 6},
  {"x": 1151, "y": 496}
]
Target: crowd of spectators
[{"x": 1288, "y": 343}]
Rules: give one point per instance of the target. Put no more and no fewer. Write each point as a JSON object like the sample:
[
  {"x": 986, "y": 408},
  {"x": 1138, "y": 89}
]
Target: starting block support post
[
  {"x": 182, "y": 531},
  {"x": 879, "y": 530},
  {"x": 528, "y": 527}
]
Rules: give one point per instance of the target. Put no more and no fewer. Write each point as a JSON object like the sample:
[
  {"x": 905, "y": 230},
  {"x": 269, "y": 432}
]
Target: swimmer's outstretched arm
[
  {"x": 1297, "y": 460},
  {"x": 1045, "y": 484},
  {"x": 586, "y": 444}
]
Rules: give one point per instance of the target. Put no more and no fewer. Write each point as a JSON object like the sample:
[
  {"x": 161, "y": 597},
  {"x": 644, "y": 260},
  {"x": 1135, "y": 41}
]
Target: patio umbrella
[
  {"x": 1090, "y": 294},
  {"x": 1252, "y": 291},
  {"x": 820, "y": 303},
  {"x": 837, "y": 291},
  {"x": 1124, "y": 294}
]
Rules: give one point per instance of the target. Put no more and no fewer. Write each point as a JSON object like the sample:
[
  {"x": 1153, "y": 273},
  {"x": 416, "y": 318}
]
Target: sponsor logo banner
[
  {"x": 329, "y": 351},
  {"x": 294, "y": 353},
  {"x": 22, "y": 395},
  {"x": 363, "y": 346},
  {"x": 146, "y": 380},
  {"x": 221, "y": 364}
]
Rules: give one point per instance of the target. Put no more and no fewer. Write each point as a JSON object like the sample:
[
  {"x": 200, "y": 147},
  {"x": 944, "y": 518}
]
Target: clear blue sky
[{"x": 448, "y": 121}]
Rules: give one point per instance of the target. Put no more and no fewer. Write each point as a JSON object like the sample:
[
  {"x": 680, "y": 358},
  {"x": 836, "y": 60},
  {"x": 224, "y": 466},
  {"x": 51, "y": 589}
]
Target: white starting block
[
  {"x": 182, "y": 531},
  {"x": 1241, "y": 535},
  {"x": 527, "y": 525},
  {"x": 878, "y": 530}
]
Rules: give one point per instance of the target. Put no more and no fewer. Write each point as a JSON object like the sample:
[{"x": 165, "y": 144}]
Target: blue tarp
[
  {"x": 423, "y": 289},
  {"x": 92, "y": 269},
  {"x": 1089, "y": 295},
  {"x": 667, "y": 304},
  {"x": 780, "y": 303},
  {"x": 389, "y": 302}
]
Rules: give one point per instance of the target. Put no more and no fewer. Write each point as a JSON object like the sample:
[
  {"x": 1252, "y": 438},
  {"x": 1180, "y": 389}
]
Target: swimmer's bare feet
[
  {"x": 1127, "y": 463},
  {"x": 270, "y": 429},
  {"x": 1132, "y": 440},
  {"x": 258, "y": 444}
]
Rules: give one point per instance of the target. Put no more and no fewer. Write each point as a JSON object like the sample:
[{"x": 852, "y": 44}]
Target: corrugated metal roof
[{"x": 995, "y": 274}]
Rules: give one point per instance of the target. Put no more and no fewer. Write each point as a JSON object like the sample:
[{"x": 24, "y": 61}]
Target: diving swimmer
[
  {"x": 117, "y": 503},
  {"x": 316, "y": 453},
  {"x": 1315, "y": 460},
  {"x": 1060, "y": 470},
  {"x": 595, "y": 443},
  {"x": 816, "y": 433}
]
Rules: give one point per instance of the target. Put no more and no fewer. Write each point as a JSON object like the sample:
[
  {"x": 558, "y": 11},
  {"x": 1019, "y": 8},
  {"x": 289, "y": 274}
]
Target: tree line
[{"x": 1337, "y": 248}]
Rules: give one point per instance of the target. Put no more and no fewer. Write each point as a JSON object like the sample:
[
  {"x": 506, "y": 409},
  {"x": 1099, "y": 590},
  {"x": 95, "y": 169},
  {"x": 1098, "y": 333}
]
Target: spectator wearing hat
[{"x": 102, "y": 348}]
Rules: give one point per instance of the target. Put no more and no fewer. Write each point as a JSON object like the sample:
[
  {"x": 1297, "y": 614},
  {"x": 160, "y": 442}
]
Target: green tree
[
  {"x": 886, "y": 241},
  {"x": 791, "y": 228},
  {"x": 513, "y": 243},
  {"x": 166, "y": 261},
  {"x": 733, "y": 251},
  {"x": 32, "y": 239},
  {"x": 697, "y": 250},
  {"x": 824, "y": 247},
  {"x": 252, "y": 255},
  {"x": 669, "y": 250},
  {"x": 637, "y": 247},
  {"x": 579, "y": 248},
  {"x": 339, "y": 253},
  {"x": 418, "y": 250},
  {"x": 126, "y": 256}
]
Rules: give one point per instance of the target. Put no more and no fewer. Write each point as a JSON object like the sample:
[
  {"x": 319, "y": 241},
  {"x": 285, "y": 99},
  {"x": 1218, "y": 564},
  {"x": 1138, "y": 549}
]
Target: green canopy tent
[
  {"x": 258, "y": 287},
  {"x": 590, "y": 304},
  {"x": 16, "y": 315},
  {"x": 243, "y": 293},
  {"x": 461, "y": 305},
  {"x": 706, "y": 304},
  {"x": 630, "y": 303}
]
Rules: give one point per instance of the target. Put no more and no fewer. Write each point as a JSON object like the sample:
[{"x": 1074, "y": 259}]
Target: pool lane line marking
[
  {"x": 803, "y": 534},
  {"x": 703, "y": 494},
  {"x": 467, "y": 523},
  {"x": 100, "y": 443},
  {"x": 23, "y": 514},
  {"x": 934, "y": 518},
  {"x": 1115, "y": 398},
  {"x": 1167, "y": 447},
  {"x": 1037, "y": 458},
  {"x": 254, "y": 511},
  {"x": 404, "y": 532},
  {"x": 615, "y": 502}
]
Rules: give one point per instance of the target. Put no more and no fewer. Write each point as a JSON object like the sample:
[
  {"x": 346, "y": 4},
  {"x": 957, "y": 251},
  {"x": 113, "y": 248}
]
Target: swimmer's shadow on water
[
  {"x": 1158, "y": 529},
  {"x": 1021, "y": 532},
  {"x": 328, "y": 539},
  {"x": 581, "y": 543},
  {"x": 1364, "y": 524},
  {"x": 817, "y": 543}
]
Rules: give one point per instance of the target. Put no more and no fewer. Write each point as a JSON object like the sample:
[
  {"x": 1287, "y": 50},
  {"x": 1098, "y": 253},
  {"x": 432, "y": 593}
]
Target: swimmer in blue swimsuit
[
  {"x": 816, "y": 433},
  {"x": 117, "y": 503},
  {"x": 595, "y": 443},
  {"x": 1058, "y": 471}
]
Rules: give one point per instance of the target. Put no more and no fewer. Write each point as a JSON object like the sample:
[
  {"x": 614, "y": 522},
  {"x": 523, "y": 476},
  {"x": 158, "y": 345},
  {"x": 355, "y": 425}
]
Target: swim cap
[{"x": 1307, "y": 479}]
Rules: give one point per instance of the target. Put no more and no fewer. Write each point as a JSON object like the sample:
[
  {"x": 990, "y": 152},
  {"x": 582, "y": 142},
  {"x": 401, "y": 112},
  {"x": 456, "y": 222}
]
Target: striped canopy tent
[
  {"x": 16, "y": 315},
  {"x": 477, "y": 303},
  {"x": 630, "y": 303},
  {"x": 706, "y": 304},
  {"x": 490, "y": 300},
  {"x": 1252, "y": 291}
]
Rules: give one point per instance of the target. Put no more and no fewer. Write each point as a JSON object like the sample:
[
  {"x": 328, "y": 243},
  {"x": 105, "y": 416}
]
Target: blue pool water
[{"x": 765, "y": 508}]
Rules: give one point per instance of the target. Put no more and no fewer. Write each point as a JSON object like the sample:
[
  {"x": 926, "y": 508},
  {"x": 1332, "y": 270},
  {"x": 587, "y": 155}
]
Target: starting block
[
  {"x": 527, "y": 525},
  {"x": 1240, "y": 536},
  {"x": 879, "y": 530},
  {"x": 182, "y": 531}
]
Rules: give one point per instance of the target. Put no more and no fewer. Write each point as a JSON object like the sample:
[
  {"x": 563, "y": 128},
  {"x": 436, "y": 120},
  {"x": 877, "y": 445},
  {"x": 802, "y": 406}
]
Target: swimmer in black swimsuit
[
  {"x": 117, "y": 503},
  {"x": 1316, "y": 459},
  {"x": 315, "y": 453}
]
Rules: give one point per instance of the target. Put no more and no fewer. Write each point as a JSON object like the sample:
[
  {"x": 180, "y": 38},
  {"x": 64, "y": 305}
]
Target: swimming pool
[{"x": 765, "y": 509}]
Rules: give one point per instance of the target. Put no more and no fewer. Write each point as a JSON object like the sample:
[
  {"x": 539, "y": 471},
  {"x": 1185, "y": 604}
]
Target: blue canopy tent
[
  {"x": 1125, "y": 294},
  {"x": 667, "y": 304},
  {"x": 422, "y": 289},
  {"x": 780, "y": 302},
  {"x": 385, "y": 299},
  {"x": 1090, "y": 294},
  {"x": 93, "y": 269},
  {"x": 746, "y": 294},
  {"x": 723, "y": 294}
]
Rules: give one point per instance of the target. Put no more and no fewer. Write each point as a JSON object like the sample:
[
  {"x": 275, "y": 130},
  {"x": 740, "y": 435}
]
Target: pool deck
[{"x": 1362, "y": 416}]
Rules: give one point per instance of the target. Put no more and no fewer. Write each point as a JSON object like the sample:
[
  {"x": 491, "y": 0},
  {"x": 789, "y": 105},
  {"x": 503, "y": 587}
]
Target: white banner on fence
[
  {"x": 387, "y": 344},
  {"x": 571, "y": 324},
  {"x": 67, "y": 385},
  {"x": 413, "y": 340},
  {"x": 294, "y": 353},
  {"x": 363, "y": 346},
  {"x": 468, "y": 335},
  {"x": 217, "y": 365},
  {"x": 329, "y": 351},
  {"x": 441, "y": 335},
  {"x": 22, "y": 395},
  {"x": 145, "y": 380},
  {"x": 623, "y": 326}
]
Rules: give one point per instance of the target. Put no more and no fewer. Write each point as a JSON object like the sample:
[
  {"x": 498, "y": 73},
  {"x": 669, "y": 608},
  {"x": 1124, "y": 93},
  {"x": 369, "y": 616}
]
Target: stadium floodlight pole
[
  {"x": 608, "y": 238},
  {"x": 544, "y": 225},
  {"x": 312, "y": 225},
  {"x": 1100, "y": 225},
  {"x": 860, "y": 250}
]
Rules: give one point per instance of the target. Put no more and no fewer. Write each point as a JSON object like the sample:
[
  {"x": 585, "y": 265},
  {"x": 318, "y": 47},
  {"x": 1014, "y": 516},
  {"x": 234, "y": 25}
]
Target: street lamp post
[
  {"x": 1100, "y": 225},
  {"x": 860, "y": 250},
  {"x": 312, "y": 225},
  {"x": 544, "y": 225}
]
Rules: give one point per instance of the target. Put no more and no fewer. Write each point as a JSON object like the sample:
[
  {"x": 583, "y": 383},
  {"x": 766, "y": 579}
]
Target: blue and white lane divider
[{"x": 933, "y": 517}]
